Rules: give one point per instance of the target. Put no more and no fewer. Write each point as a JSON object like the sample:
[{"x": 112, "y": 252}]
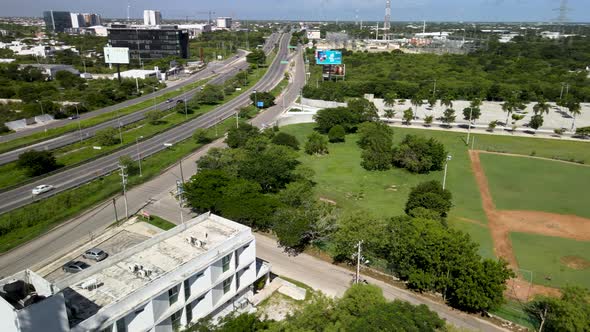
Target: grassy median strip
[
  {"x": 158, "y": 222},
  {"x": 73, "y": 126},
  {"x": 28, "y": 222},
  {"x": 77, "y": 153}
]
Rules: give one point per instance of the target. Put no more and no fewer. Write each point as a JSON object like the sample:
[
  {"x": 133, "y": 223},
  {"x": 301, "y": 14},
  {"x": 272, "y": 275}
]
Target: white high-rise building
[
  {"x": 204, "y": 267},
  {"x": 152, "y": 17},
  {"x": 77, "y": 20},
  {"x": 224, "y": 22}
]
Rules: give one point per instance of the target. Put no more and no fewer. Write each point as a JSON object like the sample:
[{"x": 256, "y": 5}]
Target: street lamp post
[
  {"x": 449, "y": 158},
  {"x": 138, "y": 153},
  {"x": 79, "y": 124},
  {"x": 469, "y": 125},
  {"x": 185, "y": 109},
  {"x": 255, "y": 99}
]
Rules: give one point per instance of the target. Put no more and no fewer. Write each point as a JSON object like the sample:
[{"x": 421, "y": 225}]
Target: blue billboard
[{"x": 326, "y": 57}]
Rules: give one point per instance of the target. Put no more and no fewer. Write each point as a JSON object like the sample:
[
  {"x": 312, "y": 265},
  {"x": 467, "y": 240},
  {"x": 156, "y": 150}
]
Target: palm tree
[
  {"x": 476, "y": 103},
  {"x": 389, "y": 99},
  {"x": 447, "y": 101},
  {"x": 541, "y": 107},
  {"x": 416, "y": 101},
  {"x": 511, "y": 105},
  {"x": 575, "y": 109}
]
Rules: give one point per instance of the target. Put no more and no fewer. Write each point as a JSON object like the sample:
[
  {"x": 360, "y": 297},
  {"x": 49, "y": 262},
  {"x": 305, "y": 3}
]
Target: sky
[{"x": 402, "y": 10}]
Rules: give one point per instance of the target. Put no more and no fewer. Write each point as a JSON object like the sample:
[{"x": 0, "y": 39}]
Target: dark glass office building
[
  {"x": 57, "y": 21},
  {"x": 150, "y": 43}
]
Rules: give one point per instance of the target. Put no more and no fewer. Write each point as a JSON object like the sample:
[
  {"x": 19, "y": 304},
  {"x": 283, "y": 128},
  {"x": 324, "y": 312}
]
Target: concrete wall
[
  {"x": 142, "y": 319},
  {"x": 322, "y": 103},
  {"x": 7, "y": 317}
]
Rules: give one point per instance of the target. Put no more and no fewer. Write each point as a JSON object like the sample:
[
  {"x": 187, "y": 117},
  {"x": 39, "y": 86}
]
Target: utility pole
[
  {"x": 358, "y": 262},
  {"x": 79, "y": 124},
  {"x": 43, "y": 115},
  {"x": 434, "y": 89},
  {"x": 123, "y": 175},
  {"x": 181, "y": 193},
  {"x": 119, "y": 125},
  {"x": 185, "y": 109},
  {"x": 237, "y": 120}
]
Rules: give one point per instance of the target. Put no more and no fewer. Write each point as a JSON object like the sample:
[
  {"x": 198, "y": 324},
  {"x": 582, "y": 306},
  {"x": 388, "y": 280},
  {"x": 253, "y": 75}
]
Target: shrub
[
  {"x": 337, "y": 134},
  {"x": 107, "y": 137},
  {"x": 419, "y": 155},
  {"x": 286, "y": 140},
  {"x": 316, "y": 144}
]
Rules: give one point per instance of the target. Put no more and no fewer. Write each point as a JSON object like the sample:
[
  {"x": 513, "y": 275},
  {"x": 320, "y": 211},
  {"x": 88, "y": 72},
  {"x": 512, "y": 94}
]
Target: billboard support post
[{"x": 119, "y": 72}]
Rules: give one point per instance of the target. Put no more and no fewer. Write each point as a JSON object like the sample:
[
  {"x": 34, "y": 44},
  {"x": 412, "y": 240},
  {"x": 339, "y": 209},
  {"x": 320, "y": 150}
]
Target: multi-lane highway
[
  {"x": 84, "y": 173},
  {"x": 229, "y": 69}
]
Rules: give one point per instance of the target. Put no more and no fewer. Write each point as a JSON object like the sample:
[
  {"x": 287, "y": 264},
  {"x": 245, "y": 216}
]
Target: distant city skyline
[{"x": 344, "y": 10}]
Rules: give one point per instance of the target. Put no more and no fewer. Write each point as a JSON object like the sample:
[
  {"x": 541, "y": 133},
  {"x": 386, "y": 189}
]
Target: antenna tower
[
  {"x": 387, "y": 23},
  {"x": 563, "y": 10}
]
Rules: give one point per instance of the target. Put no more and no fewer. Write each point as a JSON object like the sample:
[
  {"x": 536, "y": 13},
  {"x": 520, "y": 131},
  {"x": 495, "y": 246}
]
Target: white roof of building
[{"x": 118, "y": 276}]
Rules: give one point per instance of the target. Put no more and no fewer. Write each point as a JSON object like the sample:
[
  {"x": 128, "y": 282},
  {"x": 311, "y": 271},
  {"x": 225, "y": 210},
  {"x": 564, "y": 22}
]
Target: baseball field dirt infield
[{"x": 501, "y": 223}]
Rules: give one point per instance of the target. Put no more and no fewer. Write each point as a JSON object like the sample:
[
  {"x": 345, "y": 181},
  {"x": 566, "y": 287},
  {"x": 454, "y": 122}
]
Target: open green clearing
[
  {"x": 73, "y": 126},
  {"x": 538, "y": 185},
  {"x": 340, "y": 177},
  {"x": 547, "y": 257}
]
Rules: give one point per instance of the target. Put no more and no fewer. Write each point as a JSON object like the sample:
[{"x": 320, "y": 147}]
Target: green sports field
[
  {"x": 518, "y": 183},
  {"x": 555, "y": 262}
]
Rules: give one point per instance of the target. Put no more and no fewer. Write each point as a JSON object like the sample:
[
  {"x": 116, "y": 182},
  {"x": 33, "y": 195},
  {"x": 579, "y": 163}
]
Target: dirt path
[{"x": 502, "y": 222}]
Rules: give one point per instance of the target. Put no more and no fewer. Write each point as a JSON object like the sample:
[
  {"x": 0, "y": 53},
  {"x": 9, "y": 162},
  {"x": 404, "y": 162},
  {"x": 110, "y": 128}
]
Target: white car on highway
[{"x": 42, "y": 189}]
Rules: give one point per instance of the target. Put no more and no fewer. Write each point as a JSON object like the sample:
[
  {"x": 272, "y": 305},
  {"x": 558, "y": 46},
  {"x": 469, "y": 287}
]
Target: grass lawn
[
  {"x": 341, "y": 178},
  {"x": 548, "y": 148},
  {"x": 541, "y": 185},
  {"x": 545, "y": 256},
  {"x": 159, "y": 222}
]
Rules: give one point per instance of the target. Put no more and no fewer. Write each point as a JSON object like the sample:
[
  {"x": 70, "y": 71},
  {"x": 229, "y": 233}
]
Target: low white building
[
  {"x": 205, "y": 267},
  {"x": 224, "y": 22},
  {"x": 140, "y": 74}
]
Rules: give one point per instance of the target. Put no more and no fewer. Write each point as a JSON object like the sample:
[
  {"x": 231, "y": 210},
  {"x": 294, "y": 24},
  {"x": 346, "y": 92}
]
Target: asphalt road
[
  {"x": 224, "y": 71},
  {"x": 154, "y": 196},
  {"x": 84, "y": 173}
]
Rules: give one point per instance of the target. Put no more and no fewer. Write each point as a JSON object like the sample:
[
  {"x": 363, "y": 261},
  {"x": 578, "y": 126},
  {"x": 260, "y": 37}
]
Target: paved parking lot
[{"x": 113, "y": 245}]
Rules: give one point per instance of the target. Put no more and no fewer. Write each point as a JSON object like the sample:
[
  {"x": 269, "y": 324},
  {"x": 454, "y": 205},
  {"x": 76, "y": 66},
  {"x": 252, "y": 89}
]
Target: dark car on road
[
  {"x": 95, "y": 254},
  {"x": 75, "y": 266}
]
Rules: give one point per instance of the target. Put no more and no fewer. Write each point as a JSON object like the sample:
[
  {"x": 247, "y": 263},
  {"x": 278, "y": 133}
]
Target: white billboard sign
[
  {"x": 313, "y": 34},
  {"x": 116, "y": 55}
]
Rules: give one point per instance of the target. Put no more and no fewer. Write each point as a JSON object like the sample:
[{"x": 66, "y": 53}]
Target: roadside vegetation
[{"x": 362, "y": 308}]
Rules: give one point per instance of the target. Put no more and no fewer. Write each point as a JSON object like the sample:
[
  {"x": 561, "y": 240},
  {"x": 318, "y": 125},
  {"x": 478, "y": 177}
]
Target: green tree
[
  {"x": 256, "y": 58},
  {"x": 327, "y": 118},
  {"x": 390, "y": 114},
  {"x": 201, "y": 136},
  {"x": 536, "y": 121},
  {"x": 154, "y": 117},
  {"x": 266, "y": 98},
  {"x": 316, "y": 144},
  {"x": 204, "y": 191},
  {"x": 431, "y": 196},
  {"x": 419, "y": 155},
  {"x": 447, "y": 101},
  {"x": 541, "y": 107},
  {"x": 131, "y": 166},
  {"x": 107, "y": 137},
  {"x": 297, "y": 228},
  {"x": 408, "y": 116},
  {"x": 390, "y": 99},
  {"x": 238, "y": 137},
  {"x": 583, "y": 131},
  {"x": 354, "y": 228},
  {"x": 398, "y": 316},
  {"x": 575, "y": 109},
  {"x": 210, "y": 95},
  {"x": 358, "y": 300},
  {"x": 471, "y": 114},
  {"x": 271, "y": 167},
  {"x": 37, "y": 163},
  {"x": 417, "y": 101},
  {"x": 571, "y": 312},
  {"x": 428, "y": 120},
  {"x": 511, "y": 105},
  {"x": 448, "y": 116},
  {"x": 492, "y": 125},
  {"x": 362, "y": 110},
  {"x": 282, "y": 138},
  {"x": 337, "y": 134}
]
